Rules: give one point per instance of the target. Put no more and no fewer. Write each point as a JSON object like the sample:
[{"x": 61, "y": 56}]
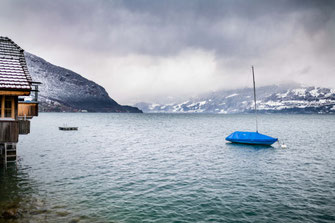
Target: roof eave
[{"x": 15, "y": 92}]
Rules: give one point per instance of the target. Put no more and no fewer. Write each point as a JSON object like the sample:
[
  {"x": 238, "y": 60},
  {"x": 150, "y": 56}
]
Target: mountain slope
[
  {"x": 65, "y": 90},
  {"x": 283, "y": 99}
]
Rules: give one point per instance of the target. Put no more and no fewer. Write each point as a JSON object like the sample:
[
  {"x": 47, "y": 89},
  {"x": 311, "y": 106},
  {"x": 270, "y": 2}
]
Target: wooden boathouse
[{"x": 18, "y": 98}]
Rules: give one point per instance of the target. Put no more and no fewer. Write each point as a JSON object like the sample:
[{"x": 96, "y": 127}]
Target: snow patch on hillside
[{"x": 269, "y": 99}]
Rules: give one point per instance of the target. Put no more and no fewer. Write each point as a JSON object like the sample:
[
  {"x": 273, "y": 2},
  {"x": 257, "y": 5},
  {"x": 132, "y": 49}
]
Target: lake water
[{"x": 172, "y": 168}]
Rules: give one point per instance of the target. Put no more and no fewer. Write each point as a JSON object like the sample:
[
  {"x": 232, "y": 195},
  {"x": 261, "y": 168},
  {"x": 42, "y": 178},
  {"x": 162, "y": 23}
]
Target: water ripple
[{"x": 174, "y": 168}]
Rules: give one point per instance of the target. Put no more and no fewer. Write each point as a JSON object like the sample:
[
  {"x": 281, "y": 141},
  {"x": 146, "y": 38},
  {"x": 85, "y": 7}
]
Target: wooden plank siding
[
  {"x": 9, "y": 131},
  {"x": 28, "y": 110},
  {"x": 24, "y": 127}
]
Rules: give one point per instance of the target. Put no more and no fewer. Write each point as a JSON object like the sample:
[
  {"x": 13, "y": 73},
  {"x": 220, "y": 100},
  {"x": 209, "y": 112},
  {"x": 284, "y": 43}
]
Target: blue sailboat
[{"x": 253, "y": 138}]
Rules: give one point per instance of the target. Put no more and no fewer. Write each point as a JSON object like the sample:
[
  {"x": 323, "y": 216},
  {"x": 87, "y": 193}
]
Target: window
[{"x": 7, "y": 107}]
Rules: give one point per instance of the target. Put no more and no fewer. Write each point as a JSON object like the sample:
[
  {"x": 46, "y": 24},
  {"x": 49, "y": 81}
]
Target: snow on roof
[{"x": 14, "y": 73}]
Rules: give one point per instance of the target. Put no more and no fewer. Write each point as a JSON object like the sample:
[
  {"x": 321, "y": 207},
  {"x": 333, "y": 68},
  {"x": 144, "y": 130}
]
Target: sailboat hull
[{"x": 252, "y": 138}]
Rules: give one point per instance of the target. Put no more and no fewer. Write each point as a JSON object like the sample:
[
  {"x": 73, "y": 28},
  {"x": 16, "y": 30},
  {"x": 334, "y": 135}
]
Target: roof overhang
[{"x": 15, "y": 92}]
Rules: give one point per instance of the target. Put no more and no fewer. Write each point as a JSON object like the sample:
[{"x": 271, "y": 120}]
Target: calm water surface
[{"x": 172, "y": 168}]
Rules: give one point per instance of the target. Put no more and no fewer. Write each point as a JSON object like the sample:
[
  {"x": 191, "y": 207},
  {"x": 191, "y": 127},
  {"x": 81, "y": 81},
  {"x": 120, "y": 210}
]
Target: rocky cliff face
[
  {"x": 278, "y": 99},
  {"x": 65, "y": 90}
]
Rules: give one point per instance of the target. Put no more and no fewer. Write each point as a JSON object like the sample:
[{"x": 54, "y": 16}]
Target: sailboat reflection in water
[{"x": 253, "y": 138}]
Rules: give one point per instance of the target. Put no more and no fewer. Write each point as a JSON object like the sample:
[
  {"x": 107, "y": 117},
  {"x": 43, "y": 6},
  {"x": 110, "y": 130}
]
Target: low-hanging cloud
[{"x": 144, "y": 50}]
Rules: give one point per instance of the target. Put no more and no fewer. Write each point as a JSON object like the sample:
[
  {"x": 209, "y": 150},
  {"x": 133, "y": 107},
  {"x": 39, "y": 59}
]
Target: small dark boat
[
  {"x": 253, "y": 138},
  {"x": 68, "y": 128}
]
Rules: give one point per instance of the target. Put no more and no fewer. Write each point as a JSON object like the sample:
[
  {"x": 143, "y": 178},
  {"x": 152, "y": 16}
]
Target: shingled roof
[{"x": 14, "y": 73}]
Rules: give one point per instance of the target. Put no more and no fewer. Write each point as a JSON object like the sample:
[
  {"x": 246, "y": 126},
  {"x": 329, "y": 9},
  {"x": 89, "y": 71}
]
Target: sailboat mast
[{"x": 253, "y": 77}]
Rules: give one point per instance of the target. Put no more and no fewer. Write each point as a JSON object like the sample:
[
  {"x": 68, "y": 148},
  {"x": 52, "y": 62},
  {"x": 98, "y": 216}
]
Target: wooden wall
[
  {"x": 27, "y": 109},
  {"x": 24, "y": 127},
  {"x": 9, "y": 131}
]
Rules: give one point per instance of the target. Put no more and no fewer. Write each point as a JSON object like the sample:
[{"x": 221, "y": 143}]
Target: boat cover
[{"x": 251, "y": 138}]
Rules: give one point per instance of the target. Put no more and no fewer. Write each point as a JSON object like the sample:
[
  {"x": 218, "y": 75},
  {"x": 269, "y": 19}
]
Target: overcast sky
[{"x": 144, "y": 50}]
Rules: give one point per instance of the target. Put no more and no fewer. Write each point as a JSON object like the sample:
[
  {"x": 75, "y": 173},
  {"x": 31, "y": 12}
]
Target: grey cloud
[
  {"x": 166, "y": 27},
  {"x": 238, "y": 32}
]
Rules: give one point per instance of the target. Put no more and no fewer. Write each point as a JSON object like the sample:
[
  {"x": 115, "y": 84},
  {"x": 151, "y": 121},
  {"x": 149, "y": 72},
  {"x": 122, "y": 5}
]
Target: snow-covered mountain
[
  {"x": 284, "y": 98},
  {"x": 65, "y": 90}
]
